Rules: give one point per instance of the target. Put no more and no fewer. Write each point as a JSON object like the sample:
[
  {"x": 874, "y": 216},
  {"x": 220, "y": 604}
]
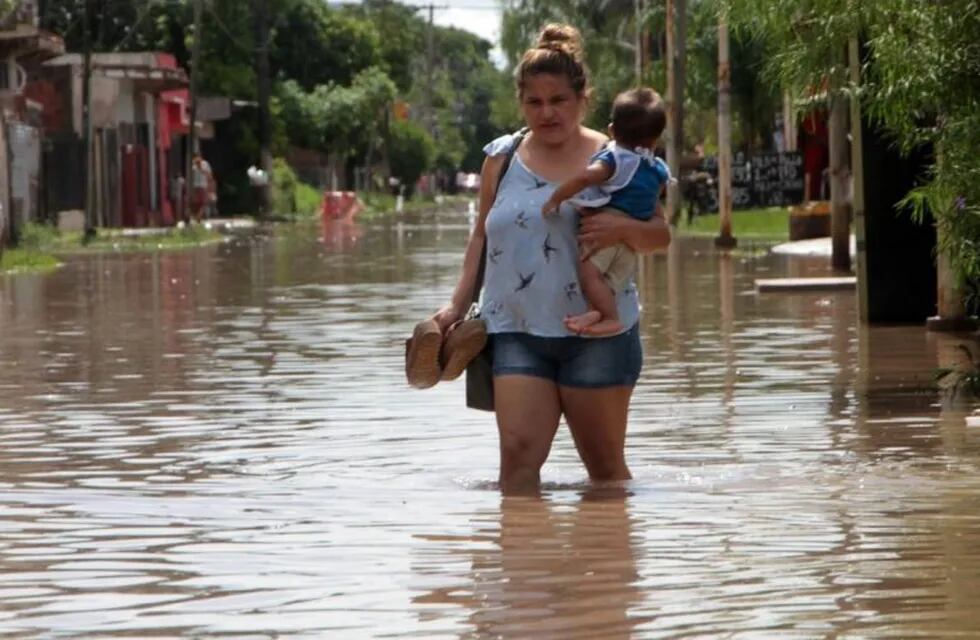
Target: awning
[
  {"x": 146, "y": 79},
  {"x": 31, "y": 43}
]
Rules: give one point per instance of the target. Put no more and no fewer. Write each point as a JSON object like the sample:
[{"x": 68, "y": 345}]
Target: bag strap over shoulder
[
  {"x": 508, "y": 159},
  {"x": 518, "y": 139}
]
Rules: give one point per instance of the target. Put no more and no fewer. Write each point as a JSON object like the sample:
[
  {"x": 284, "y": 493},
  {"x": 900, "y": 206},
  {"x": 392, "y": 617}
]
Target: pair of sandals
[{"x": 431, "y": 357}]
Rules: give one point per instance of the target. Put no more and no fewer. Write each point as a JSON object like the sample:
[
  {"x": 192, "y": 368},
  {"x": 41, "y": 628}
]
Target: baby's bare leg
[{"x": 603, "y": 317}]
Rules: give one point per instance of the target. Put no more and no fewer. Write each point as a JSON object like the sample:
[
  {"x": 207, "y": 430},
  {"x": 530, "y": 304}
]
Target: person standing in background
[{"x": 203, "y": 189}]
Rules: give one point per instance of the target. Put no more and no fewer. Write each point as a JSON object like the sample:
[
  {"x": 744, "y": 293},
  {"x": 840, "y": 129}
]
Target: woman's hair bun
[
  {"x": 559, "y": 51},
  {"x": 561, "y": 37}
]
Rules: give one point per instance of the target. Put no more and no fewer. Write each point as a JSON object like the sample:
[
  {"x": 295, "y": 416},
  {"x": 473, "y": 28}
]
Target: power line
[
  {"x": 139, "y": 22},
  {"x": 224, "y": 28}
]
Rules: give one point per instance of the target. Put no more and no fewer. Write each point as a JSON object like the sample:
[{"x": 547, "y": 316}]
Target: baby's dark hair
[{"x": 638, "y": 117}]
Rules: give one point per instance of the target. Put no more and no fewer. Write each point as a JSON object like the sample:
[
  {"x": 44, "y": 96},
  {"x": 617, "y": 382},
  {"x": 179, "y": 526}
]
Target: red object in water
[{"x": 341, "y": 205}]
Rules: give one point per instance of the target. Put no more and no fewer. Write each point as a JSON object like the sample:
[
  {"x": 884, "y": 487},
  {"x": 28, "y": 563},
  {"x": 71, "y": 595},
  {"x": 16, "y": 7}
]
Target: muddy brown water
[{"x": 219, "y": 443}]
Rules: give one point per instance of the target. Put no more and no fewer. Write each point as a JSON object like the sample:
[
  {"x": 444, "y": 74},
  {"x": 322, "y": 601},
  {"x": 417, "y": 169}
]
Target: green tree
[
  {"x": 124, "y": 26},
  {"x": 333, "y": 118},
  {"x": 607, "y": 27},
  {"x": 412, "y": 153},
  {"x": 316, "y": 45},
  {"x": 465, "y": 83},
  {"x": 922, "y": 84},
  {"x": 402, "y": 36}
]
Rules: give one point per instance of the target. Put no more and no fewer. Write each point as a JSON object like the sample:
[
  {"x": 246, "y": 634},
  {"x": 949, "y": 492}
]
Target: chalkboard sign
[
  {"x": 762, "y": 179},
  {"x": 777, "y": 179}
]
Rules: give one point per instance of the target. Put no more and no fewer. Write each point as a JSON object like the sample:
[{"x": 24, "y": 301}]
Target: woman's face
[{"x": 551, "y": 108}]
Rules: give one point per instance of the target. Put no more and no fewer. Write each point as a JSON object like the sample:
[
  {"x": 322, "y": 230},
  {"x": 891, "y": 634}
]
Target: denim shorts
[{"x": 573, "y": 361}]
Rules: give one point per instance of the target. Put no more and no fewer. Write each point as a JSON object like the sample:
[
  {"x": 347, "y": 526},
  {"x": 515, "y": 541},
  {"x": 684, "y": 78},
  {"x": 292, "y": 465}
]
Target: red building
[{"x": 139, "y": 121}]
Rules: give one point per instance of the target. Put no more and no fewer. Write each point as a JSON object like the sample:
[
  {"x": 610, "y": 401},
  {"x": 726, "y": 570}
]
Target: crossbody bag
[{"x": 479, "y": 372}]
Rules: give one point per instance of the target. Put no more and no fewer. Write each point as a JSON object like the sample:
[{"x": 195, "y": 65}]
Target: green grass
[
  {"x": 383, "y": 204},
  {"x": 26, "y": 260},
  {"x": 308, "y": 199},
  {"x": 758, "y": 224},
  {"x": 39, "y": 245},
  {"x": 291, "y": 197},
  {"x": 123, "y": 240}
]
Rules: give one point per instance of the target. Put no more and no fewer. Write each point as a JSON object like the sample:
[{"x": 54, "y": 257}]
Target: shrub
[{"x": 411, "y": 151}]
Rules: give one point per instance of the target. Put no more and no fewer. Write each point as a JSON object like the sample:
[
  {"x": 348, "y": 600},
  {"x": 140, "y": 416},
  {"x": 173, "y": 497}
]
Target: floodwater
[{"x": 220, "y": 443}]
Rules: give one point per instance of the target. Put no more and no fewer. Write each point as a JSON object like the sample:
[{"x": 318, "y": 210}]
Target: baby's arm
[{"x": 593, "y": 175}]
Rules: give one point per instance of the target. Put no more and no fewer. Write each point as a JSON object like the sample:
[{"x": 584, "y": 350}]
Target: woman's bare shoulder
[{"x": 596, "y": 138}]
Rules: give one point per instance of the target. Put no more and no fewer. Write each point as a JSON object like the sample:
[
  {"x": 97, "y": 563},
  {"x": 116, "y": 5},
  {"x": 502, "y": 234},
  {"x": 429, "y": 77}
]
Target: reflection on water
[
  {"x": 542, "y": 568},
  {"x": 220, "y": 443}
]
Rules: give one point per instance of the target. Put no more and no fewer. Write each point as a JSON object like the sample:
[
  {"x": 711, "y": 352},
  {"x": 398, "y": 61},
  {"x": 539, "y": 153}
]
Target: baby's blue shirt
[{"x": 639, "y": 196}]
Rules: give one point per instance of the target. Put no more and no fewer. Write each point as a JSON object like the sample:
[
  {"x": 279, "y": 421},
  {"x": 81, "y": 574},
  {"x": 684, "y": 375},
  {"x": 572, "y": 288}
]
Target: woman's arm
[
  {"x": 601, "y": 230},
  {"x": 466, "y": 286}
]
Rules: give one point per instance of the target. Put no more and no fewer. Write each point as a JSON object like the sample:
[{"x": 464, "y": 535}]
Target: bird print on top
[
  {"x": 538, "y": 184},
  {"x": 531, "y": 280},
  {"x": 548, "y": 249},
  {"x": 525, "y": 281}
]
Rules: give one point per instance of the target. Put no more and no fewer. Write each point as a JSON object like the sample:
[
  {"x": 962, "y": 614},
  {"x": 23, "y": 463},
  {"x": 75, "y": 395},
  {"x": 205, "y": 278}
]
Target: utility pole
[
  {"x": 260, "y": 16},
  {"x": 676, "y": 54},
  {"x": 725, "y": 238},
  {"x": 195, "y": 78},
  {"x": 840, "y": 210},
  {"x": 87, "y": 172},
  {"x": 430, "y": 63}
]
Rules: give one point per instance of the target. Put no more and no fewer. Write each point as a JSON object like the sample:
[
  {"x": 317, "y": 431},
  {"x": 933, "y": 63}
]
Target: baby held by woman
[{"x": 626, "y": 179}]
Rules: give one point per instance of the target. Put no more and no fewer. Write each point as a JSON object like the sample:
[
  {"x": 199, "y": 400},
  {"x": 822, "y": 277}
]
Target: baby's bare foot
[
  {"x": 579, "y": 323},
  {"x": 602, "y": 329}
]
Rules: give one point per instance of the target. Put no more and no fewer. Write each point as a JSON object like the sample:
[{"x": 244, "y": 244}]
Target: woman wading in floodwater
[{"x": 541, "y": 370}]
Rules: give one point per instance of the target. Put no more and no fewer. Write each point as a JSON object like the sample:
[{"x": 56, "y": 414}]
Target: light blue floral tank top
[{"x": 531, "y": 283}]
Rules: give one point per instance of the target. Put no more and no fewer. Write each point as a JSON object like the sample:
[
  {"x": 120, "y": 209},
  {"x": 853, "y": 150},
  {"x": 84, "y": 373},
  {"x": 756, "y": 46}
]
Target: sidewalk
[
  {"x": 816, "y": 247},
  {"x": 222, "y": 225}
]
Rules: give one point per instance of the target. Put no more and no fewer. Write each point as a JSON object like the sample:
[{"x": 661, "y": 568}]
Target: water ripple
[{"x": 220, "y": 443}]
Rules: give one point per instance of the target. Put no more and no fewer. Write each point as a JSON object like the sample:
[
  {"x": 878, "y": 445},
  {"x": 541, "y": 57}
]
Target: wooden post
[
  {"x": 676, "y": 42},
  {"x": 264, "y": 86},
  {"x": 725, "y": 238},
  {"x": 192, "y": 134},
  {"x": 5, "y": 211},
  {"x": 789, "y": 122},
  {"x": 857, "y": 176},
  {"x": 840, "y": 210},
  {"x": 950, "y": 306},
  {"x": 88, "y": 188}
]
